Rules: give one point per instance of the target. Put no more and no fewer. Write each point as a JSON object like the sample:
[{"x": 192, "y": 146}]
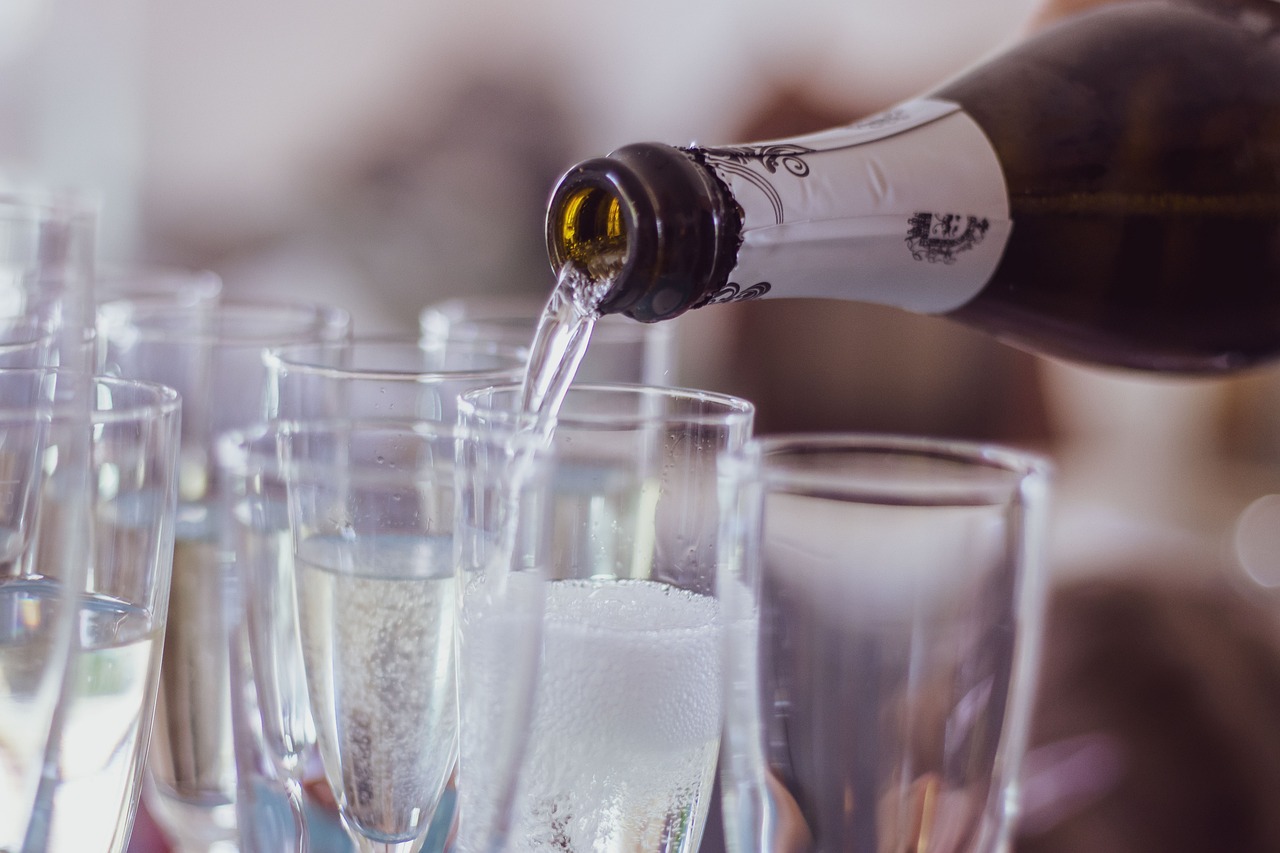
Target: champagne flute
[
  {"x": 884, "y": 597},
  {"x": 623, "y": 729},
  {"x": 213, "y": 355},
  {"x": 46, "y": 265},
  {"x": 373, "y": 523},
  {"x": 94, "y": 763},
  {"x": 363, "y": 378},
  {"x": 249, "y": 462},
  {"x": 46, "y": 251}
]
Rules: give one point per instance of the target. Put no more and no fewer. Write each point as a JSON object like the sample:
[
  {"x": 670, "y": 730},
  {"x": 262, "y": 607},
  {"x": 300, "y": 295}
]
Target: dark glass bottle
[{"x": 1107, "y": 191}]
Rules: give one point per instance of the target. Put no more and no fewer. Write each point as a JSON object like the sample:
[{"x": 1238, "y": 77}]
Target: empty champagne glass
[
  {"x": 257, "y": 513},
  {"x": 623, "y": 729},
  {"x": 373, "y": 521},
  {"x": 622, "y": 350},
  {"x": 884, "y": 597},
  {"x": 213, "y": 356},
  {"x": 93, "y": 763},
  {"x": 46, "y": 265}
]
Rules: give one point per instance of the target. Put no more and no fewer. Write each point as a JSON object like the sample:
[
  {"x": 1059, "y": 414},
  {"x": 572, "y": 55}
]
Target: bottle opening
[{"x": 593, "y": 232}]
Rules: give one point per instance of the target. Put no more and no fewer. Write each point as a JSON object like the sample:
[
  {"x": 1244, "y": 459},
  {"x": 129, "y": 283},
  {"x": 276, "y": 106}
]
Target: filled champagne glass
[
  {"x": 624, "y": 721},
  {"x": 363, "y": 378},
  {"x": 375, "y": 534}
]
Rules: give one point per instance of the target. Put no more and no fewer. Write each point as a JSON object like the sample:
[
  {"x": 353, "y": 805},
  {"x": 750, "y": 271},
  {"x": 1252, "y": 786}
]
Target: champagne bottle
[{"x": 1106, "y": 191}]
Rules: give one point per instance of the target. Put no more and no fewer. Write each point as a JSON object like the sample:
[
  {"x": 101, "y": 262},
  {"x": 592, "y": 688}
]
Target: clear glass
[
  {"x": 621, "y": 350},
  {"x": 375, "y": 535},
  {"x": 257, "y": 513},
  {"x": 93, "y": 762},
  {"x": 384, "y": 377},
  {"x": 213, "y": 356},
  {"x": 46, "y": 253},
  {"x": 394, "y": 378},
  {"x": 623, "y": 729},
  {"x": 46, "y": 264},
  {"x": 884, "y": 597}
]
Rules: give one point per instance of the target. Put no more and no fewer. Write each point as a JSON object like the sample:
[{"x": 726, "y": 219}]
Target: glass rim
[
  {"x": 236, "y": 452},
  {"x": 730, "y": 410},
  {"x": 278, "y": 357},
  {"x": 763, "y": 458},
  {"x": 160, "y": 399},
  {"x": 322, "y": 318},
  {"x": 46, "y": 204},
  {"x": 147, "y": 282},
  {"x": 25, "y": 332}
]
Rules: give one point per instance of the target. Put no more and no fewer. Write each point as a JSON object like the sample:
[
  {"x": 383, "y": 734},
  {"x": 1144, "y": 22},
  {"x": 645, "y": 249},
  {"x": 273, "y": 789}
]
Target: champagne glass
[
  {"x": 621, "y": 350},
  {"x": 249, "y": 462},
  {"x": 884, "y": 597},
  {"x": 623, "y": 729},
  {"x": 364, "y": 378},
  {"x": 213, "y": 356},
  {"x": 46, "y": 251},
  {"x": 46, "y": 265},
  {"x": 93, "y": 763},
  {"x": 373, "y": 522}
]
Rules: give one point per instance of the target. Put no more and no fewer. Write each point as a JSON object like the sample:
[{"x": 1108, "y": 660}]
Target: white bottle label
[{"x": 906, "y": 208}]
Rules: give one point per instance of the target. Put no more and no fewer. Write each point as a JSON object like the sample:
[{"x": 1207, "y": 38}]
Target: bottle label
[{"x": 906, "y": 208}]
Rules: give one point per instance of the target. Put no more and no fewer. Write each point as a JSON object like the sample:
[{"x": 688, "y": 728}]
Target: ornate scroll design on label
[
  {"x": 736, "y": 293},
  {"x": 940, "y": 237},
  {"x": 737, "y": 161}
]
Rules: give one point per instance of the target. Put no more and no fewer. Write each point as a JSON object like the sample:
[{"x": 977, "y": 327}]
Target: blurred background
[{"x": 386, "y": 154}]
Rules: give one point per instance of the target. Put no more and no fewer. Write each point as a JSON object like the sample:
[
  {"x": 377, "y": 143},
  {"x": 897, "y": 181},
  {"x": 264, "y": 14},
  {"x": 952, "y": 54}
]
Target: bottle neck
[{"x": 651, "y": 219}]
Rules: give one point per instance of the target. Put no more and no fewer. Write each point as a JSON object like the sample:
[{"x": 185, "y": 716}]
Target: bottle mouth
[
  {"x": 591, "y": 230},
  {"x": 644, "y": 222}
]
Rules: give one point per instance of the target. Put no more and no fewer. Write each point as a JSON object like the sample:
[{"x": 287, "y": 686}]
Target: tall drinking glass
[
  {"x": 93, "y": 764},
  {"x": 46, "y": 264},
  {"x": 275, "y": 743},
  {"x": 373, "y": 521},
  {"x": 214, "y": 358},
  {"x": 622, "y": 350},
  {"x": 46, "y": 252},
  {"x": 884, "y": 597},
  {"x": 624, "y": 725},
  {"x": 365, "y": 378}
]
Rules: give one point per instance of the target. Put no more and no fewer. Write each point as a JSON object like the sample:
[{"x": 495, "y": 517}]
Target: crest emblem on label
[{"x": 940, "y": 237}]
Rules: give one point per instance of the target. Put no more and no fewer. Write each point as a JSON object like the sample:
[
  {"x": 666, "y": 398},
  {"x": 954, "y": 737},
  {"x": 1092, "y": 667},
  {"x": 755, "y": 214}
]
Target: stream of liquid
[{"x": 559, "y": 344}]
